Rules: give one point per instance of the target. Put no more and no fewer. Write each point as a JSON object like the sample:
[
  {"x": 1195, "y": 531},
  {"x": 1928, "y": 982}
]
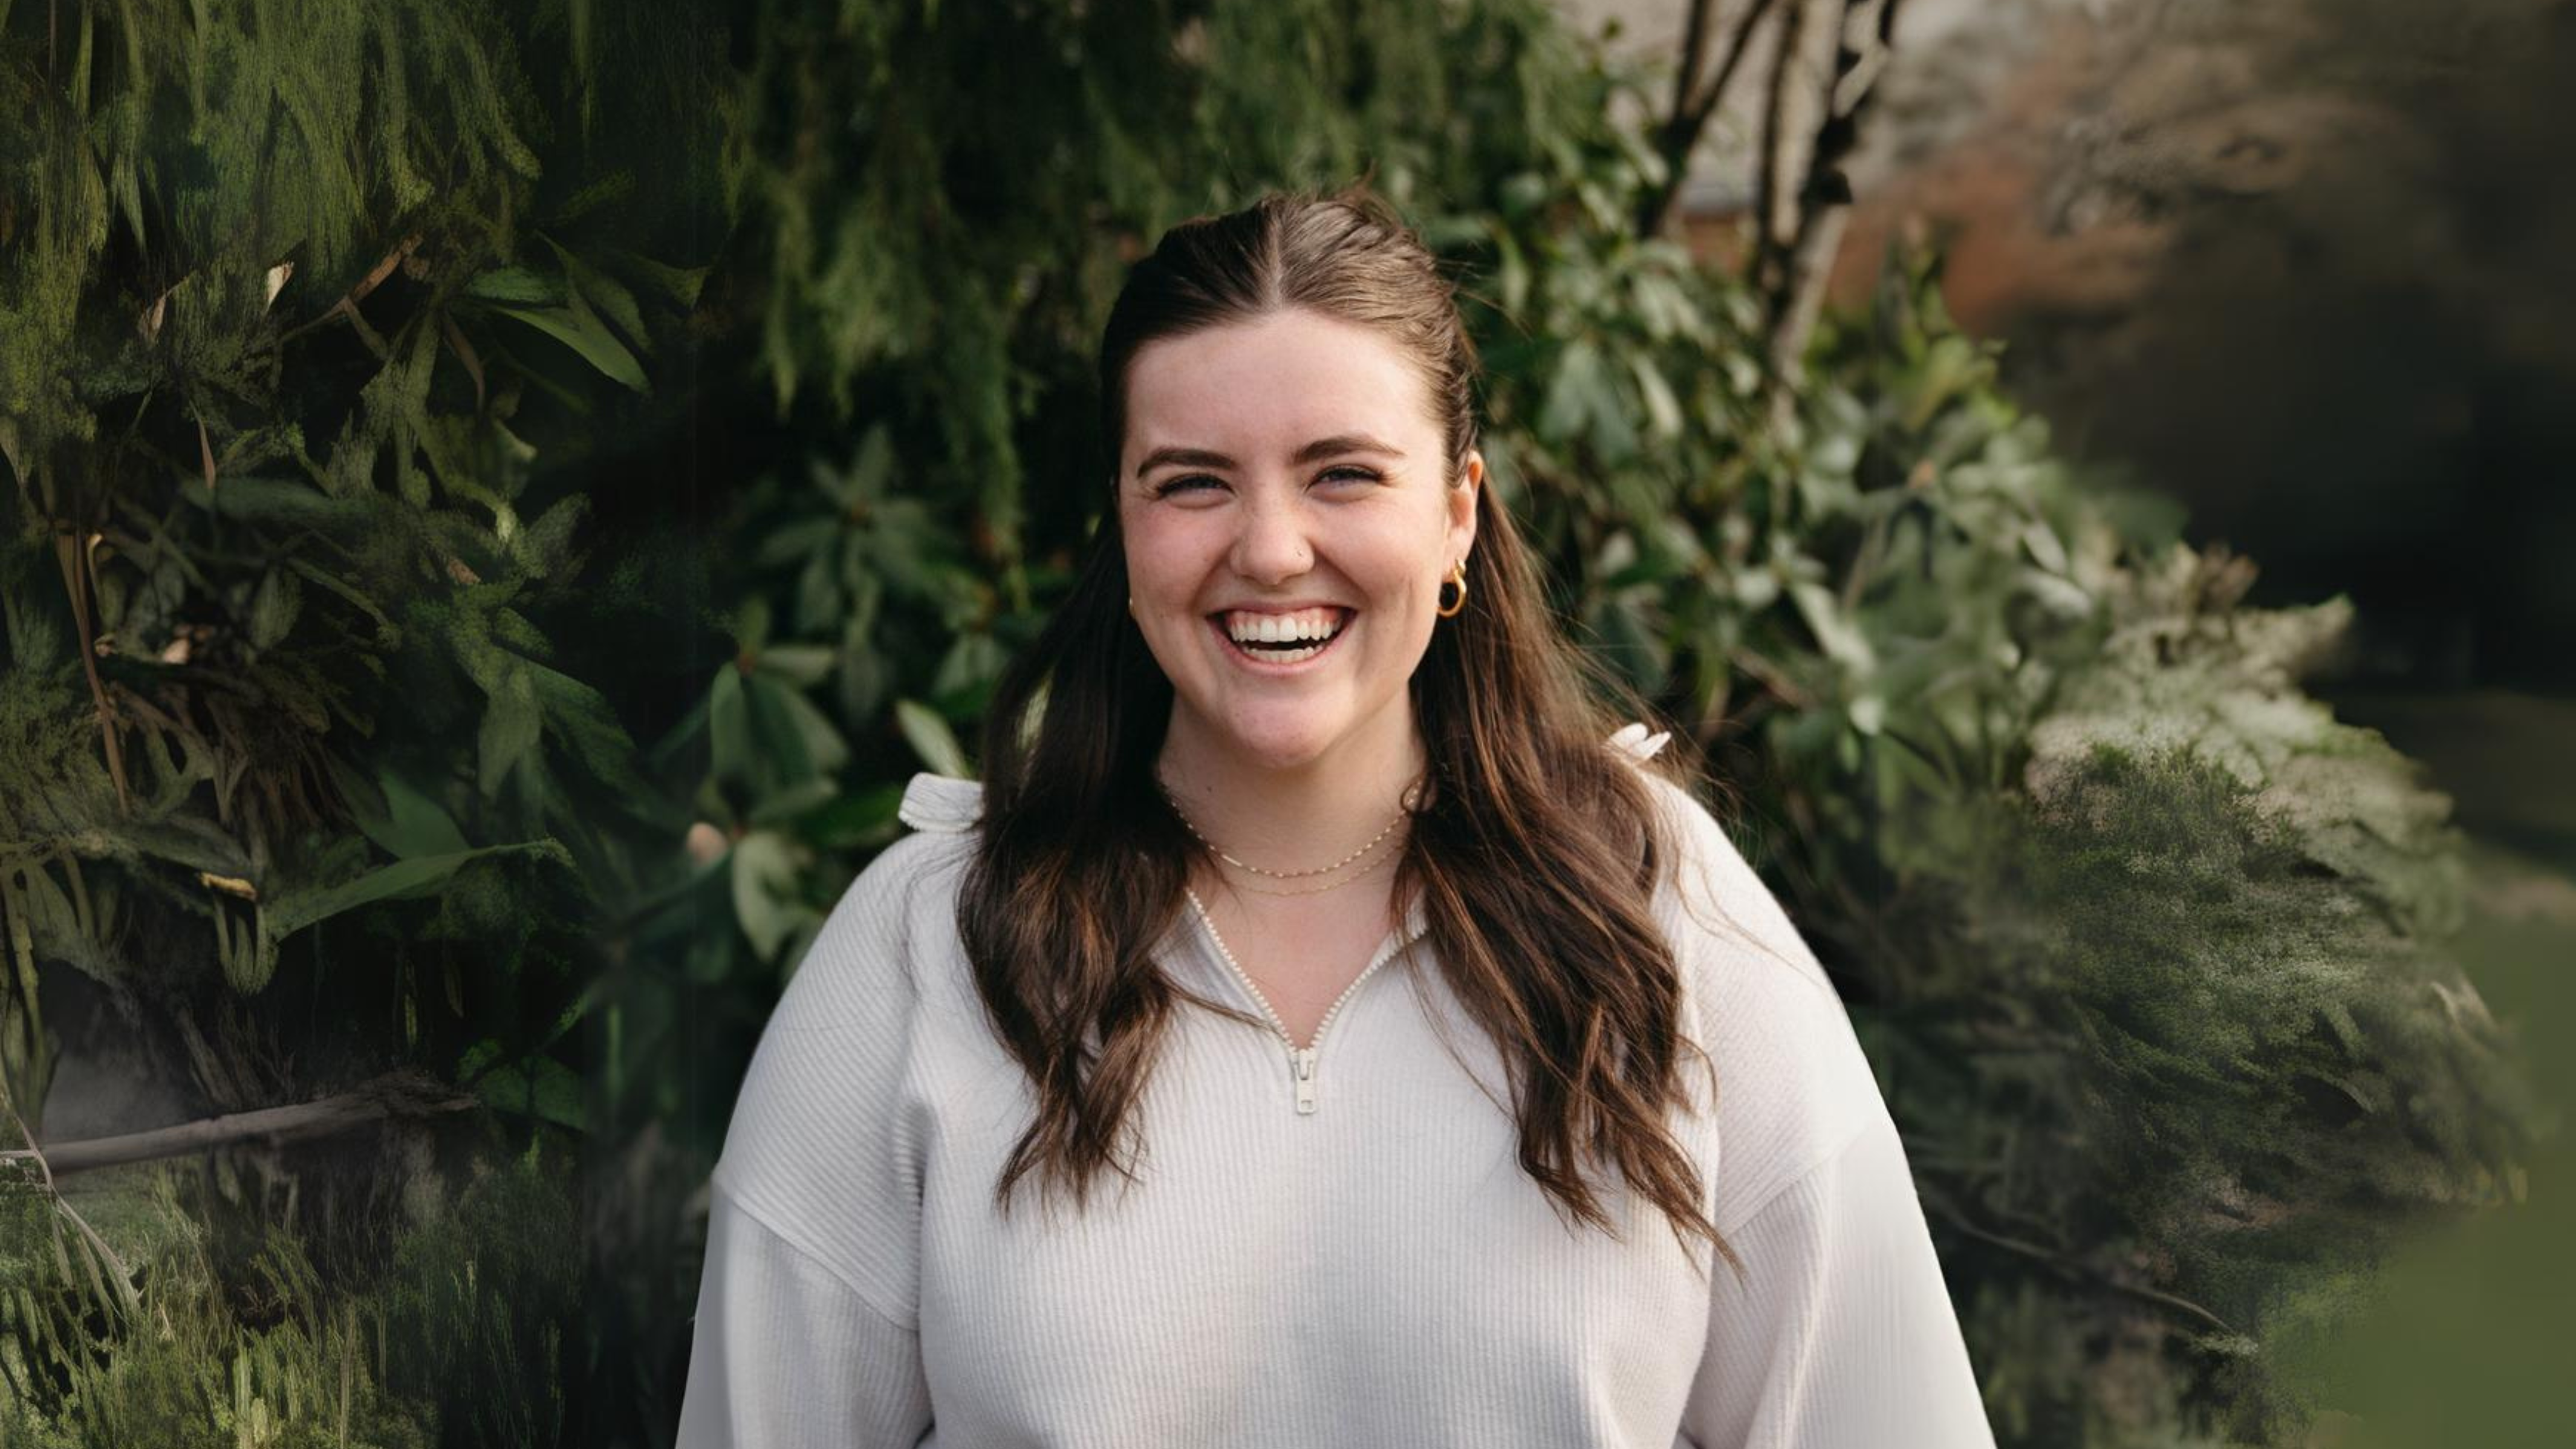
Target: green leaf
[
  {"x": 1836, "y": 632},
  {"x": 1663, "y": 411},
  {"x": 1573, "y": 392},
  {"x": 295, "y": 502},
  {"x": 678, "y": 285},
  {"x": 539, "y": 1087},
  {"x": 413, "y": 824},
  {"x": 765, "y": 871},
  {"x": 293, "y": 909},
  {"x": 818, "y": 739},
  {"x": 609, "y": 297},
  {"x": 517, "y": 286},
  {"x": 931, "y": 739},
  {"x": 274, "y": 607},
  {"x": 855, "y": 818},
  {"x": 512, "y": 725},
  {"x": 781, "y": 753},
  {"x": 588, "y": 726},
  {"x": 576, "y": 326},
  {"x": 786, "y": 805},
  {"x": 478, "y": 1059},
  {"x": 728, "y": 724},
  {"x": 802, "y": 664},
  {"x": 973, "y": 661}
]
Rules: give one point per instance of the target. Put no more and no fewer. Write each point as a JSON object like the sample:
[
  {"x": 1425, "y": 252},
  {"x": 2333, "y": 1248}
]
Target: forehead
[{"x": 1282, "y": 379}]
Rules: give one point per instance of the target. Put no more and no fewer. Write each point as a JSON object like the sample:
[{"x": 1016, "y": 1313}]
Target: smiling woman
[
  {"x": 1290, "y": 486},
  {"x": 1308, "y": 732}
]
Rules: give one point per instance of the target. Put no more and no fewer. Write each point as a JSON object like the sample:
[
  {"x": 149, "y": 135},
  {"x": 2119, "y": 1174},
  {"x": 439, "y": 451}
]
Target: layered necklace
[{"x": 1359, "y": 863}]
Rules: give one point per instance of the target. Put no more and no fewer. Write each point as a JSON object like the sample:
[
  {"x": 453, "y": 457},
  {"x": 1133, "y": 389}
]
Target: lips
[{"x": 1281, "y": 639}]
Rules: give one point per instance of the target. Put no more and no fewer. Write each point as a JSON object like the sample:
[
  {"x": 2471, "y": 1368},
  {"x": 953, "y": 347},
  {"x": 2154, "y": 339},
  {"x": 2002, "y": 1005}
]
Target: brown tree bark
[
  {"x": 1694, "y": 102},
  {"x": 394, "y": 1095}
]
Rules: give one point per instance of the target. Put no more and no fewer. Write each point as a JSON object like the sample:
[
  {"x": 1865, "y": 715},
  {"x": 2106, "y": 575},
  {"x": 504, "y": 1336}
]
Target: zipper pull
[{"x": 1302, "y": 1061}]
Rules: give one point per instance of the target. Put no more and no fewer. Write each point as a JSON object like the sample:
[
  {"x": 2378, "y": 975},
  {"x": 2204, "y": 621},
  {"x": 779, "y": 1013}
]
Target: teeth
[{"x": 1316, "y": 624}]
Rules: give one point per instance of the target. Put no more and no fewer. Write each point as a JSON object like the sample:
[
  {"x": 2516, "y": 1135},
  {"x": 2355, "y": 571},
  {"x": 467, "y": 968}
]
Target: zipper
[{"x": 1301, "y": 1060}]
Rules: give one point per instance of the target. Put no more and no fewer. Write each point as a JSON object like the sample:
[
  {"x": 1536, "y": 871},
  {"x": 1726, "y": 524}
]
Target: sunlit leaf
[{"x": 931, "y": 739}]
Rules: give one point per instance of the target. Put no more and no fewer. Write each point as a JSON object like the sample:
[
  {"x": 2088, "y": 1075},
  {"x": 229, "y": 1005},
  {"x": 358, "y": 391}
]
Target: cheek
[
  {"x": 1161, "y": 555},
  {"x": 1401, "y": 570}
]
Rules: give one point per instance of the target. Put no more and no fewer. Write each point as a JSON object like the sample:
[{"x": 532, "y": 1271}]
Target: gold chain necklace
[
  {"x": 1373, "y": 842},
  {"x": 1361, "y": 874}
]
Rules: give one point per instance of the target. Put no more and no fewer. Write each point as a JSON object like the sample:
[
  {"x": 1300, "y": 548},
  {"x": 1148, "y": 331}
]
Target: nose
[{"x": 1270, "y": 545}]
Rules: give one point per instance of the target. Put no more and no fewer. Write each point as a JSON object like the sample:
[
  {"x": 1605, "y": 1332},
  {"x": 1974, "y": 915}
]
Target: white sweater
[{"x": 1351, "y": 1260}]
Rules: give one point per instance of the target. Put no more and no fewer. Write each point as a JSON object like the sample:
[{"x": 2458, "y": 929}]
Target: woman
[{"x": 1301, "y": 1037}]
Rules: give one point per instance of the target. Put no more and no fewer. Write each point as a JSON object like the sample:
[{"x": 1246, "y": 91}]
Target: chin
[{"x": 1280, "y": 743}]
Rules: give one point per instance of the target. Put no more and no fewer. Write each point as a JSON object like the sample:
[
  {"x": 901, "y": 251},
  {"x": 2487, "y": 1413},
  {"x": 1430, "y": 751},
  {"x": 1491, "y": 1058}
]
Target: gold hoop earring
[{"x": 1458, "y": 576}]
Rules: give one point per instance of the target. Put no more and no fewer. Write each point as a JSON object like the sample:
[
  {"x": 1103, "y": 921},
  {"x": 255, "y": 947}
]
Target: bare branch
[
  {"x": 1768, "y": 241},
  {"x": 1792, "y": 270},
  {"x": 394, "y": 1095},
  {"x": 1693, "y": 103},
  {"x": 2072, "y": 1268},
  {"x": 79, "y": 583}
]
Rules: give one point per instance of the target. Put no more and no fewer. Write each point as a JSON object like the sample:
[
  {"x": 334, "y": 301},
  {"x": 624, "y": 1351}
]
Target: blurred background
[{"x": 502, "y": 497}]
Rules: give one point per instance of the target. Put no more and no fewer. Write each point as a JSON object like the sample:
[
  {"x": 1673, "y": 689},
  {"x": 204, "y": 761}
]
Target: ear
[{"x": 1462, "y": 506}]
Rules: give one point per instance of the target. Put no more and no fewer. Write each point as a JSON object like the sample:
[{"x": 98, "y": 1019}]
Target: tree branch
[
  {"x": 394, "y": 1095},
  {"x": 2072, "y": 1268},
  {"x": 1678, "y": 137},
  {"x": 1792, "y": 270},
  {"x": 1772, "y": 161}
]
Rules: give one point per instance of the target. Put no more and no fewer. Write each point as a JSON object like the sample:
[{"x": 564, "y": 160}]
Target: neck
[{"x": 1293, "y": 817}]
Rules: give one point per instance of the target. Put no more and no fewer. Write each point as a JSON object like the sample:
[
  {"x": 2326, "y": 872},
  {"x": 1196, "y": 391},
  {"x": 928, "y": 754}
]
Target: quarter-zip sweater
[{"x": 1324, "y": 1246}]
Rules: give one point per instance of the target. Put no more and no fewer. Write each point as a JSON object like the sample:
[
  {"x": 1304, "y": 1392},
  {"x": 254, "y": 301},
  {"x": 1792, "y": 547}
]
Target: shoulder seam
[
  {"x": 768, "y": 1224},
  {"x": 1824, "y": 1159}
]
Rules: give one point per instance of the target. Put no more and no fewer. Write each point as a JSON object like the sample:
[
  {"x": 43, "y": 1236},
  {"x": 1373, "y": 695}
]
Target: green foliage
[
  {"x": 330, "y": 593},
  {"x": 484, "y": 1294},
  {"x": 276, "y": 1360},
  {"x": 298, "y": 334},
  {"x": 267, "y": 1351}
]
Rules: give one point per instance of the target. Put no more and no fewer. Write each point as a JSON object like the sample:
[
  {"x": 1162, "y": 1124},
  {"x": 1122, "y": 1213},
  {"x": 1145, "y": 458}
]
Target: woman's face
[{"x": 1287, "y": 528}]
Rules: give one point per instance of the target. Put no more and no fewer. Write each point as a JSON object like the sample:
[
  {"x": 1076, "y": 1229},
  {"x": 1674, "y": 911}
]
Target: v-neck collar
[{"x": 1199, "y": 930}]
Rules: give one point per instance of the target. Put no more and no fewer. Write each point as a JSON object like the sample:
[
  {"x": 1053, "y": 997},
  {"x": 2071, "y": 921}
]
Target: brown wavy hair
[{"x": 1534, "y": 850}]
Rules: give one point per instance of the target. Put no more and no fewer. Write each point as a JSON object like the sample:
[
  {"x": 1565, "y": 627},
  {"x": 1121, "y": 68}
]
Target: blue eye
[{"x": 1363, "y": 475}]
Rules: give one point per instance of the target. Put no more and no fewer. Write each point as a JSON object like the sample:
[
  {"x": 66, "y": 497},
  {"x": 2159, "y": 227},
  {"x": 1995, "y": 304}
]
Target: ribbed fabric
[{"x": 1375, "y": 1272}]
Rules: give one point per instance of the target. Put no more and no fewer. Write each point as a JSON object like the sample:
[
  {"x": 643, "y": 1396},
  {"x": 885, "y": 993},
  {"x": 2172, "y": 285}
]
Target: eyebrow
[{"x": 1321, "y": 448}]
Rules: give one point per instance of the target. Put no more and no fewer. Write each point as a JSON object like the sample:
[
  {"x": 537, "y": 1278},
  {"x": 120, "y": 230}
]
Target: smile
[{"x": 1277, "y": 641}]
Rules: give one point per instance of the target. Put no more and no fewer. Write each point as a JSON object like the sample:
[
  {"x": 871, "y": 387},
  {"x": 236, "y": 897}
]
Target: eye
[{"x": 1203, "y": 483}]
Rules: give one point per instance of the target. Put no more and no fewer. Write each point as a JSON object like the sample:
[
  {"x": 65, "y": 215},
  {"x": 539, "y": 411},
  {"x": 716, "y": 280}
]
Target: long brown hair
[{"x": 1534, "y": 850}]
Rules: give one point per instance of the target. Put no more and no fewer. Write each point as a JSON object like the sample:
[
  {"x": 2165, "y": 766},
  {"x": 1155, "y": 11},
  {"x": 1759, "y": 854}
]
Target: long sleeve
[
  {"x": 807, "y": 1330},
  {"x": 788, "y": 1356},
  {"x": 1840, "y": 1334}
]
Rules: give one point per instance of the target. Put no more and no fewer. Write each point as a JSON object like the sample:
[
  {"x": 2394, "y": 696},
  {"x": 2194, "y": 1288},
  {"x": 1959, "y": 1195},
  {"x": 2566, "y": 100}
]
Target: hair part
[{"x": 1535, "y": 850}]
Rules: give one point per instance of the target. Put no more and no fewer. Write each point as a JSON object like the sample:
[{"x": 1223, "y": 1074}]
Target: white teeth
[
  {"x": 1249, "y": 630},
  {"x": 1317, "y": 624}
]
